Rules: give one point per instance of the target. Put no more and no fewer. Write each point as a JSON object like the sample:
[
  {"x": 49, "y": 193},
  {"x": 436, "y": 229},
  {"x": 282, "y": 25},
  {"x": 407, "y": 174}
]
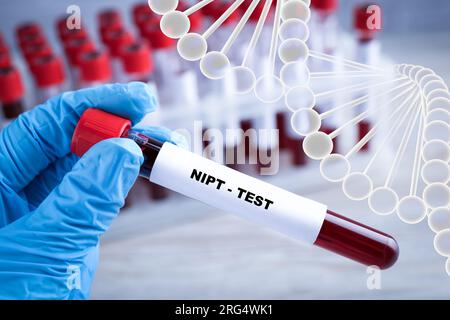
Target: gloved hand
[{"x": 55, "y": 206}]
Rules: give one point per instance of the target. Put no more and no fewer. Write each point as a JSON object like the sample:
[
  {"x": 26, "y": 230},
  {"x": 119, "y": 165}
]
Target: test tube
[
  {"x": 74, "y": 49},
  {"x": 300, "y": 218},
  {"x": 12, "y": 92},
  {"x": 324, "y": 38},
  {"x": 167, "y": 63},
  {"x": 95, "y": 69},
  {"x": 115, "y": 40},
  {"x": 49, "y": 77},
  {"x": 367, "y": 52}
]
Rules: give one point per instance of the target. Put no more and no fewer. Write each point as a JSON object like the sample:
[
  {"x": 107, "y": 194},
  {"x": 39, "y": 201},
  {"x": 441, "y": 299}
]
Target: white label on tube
[{"x": 235, "y": 192}]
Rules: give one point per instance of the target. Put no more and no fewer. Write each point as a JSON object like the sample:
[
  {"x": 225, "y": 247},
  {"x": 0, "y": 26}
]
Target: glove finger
[
  {"x": 41, "y": 186},
  {"x": 42, "y": 135},
  {"x": 12, "y": 205},
  {"x": 79, "y": 210}
]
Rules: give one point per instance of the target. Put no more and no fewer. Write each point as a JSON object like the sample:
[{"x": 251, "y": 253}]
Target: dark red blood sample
[
  {"x": 363, "y": 129},
  {"x": 281, "y": 126},
  {"x": 298, "y": 156},
  {"x": 356, "y": 241},
  {"x": 327, "y": 130},
  {"x": 245, "y": 126}
]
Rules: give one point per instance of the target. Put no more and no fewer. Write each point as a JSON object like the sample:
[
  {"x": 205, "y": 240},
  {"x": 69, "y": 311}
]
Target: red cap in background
[
  {"x": 256, "y": 13},
  {"x": 361, "y": 22},
  {"x": 32, "y": 40},
  {"x": 95, "y": 67},
  {"x": 216, "y": 9},
  {"x": 48, "y": 71},
  {"x": 61, "y": 26},
  {"x": 74, "y": 34},
  {"x": 109, "y": 20},
  {"x": 74, "y": 48},
  {"x": 108, "y": 16},
  {"x": 156, "y": 38},
  {"x": 11, "y": 85},
  {"x": 325, "y": 5},
  {"x": 116, "y": 39},
  {"x": 5, "y": 59},
  {"x": 137, "y": 58},
  {"x": 94, "y": 126},
  {"x": 28, "y": 29},
  {"x": 328, "y": 6},
  {"x": 34, "y": 51},
  {"x": 142, "y": 16}
]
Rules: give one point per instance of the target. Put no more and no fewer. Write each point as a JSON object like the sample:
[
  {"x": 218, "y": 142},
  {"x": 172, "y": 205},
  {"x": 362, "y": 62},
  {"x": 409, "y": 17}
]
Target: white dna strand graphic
[{"x": 415, "y": 99}]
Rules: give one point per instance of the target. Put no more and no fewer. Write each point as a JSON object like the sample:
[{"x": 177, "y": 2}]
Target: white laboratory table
[{"x": 203, "y": 254}]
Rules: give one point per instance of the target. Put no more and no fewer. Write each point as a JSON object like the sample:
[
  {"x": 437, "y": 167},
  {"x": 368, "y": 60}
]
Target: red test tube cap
[
  {"x": 74, "y": 48},
  {"x": 116, "y": 39},
  {"x": 5, "y": 59},
  {"x": 137, "y": 58},
  {"x": 156, "y": 38},
  {"x": 361, "y": 17},
  {"x": 48, "y": 71},
  {"x": 28, "y": 29},
  {"x": 217, "y": 8},
  {"x": 32, "y": 40},
  {"x": 142, "y": 15},
  {"x": 325, "y": 5},
  {"x": 35, "y": 51},
  {"x": 68, "y": 34},
  {"x": 108, "y": 16},
  {"x": 94, "y": 126},
  {"x": 94, "y": 67},
  {"x": 11, "y": 85}
]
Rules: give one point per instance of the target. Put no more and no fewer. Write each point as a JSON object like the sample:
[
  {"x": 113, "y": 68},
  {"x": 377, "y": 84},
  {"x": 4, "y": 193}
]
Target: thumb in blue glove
[{"x": 54, "y": 206}]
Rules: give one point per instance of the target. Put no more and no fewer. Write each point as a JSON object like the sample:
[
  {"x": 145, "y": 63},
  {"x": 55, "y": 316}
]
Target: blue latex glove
[{"x": 55, "y": 206}]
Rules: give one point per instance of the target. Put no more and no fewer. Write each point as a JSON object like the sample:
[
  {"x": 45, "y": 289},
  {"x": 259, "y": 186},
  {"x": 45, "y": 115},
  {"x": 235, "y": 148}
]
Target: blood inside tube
[{"x": 356, "y": 241}]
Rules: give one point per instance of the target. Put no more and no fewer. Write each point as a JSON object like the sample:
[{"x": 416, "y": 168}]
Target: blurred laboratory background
[{"x": 164, "y": 246}]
